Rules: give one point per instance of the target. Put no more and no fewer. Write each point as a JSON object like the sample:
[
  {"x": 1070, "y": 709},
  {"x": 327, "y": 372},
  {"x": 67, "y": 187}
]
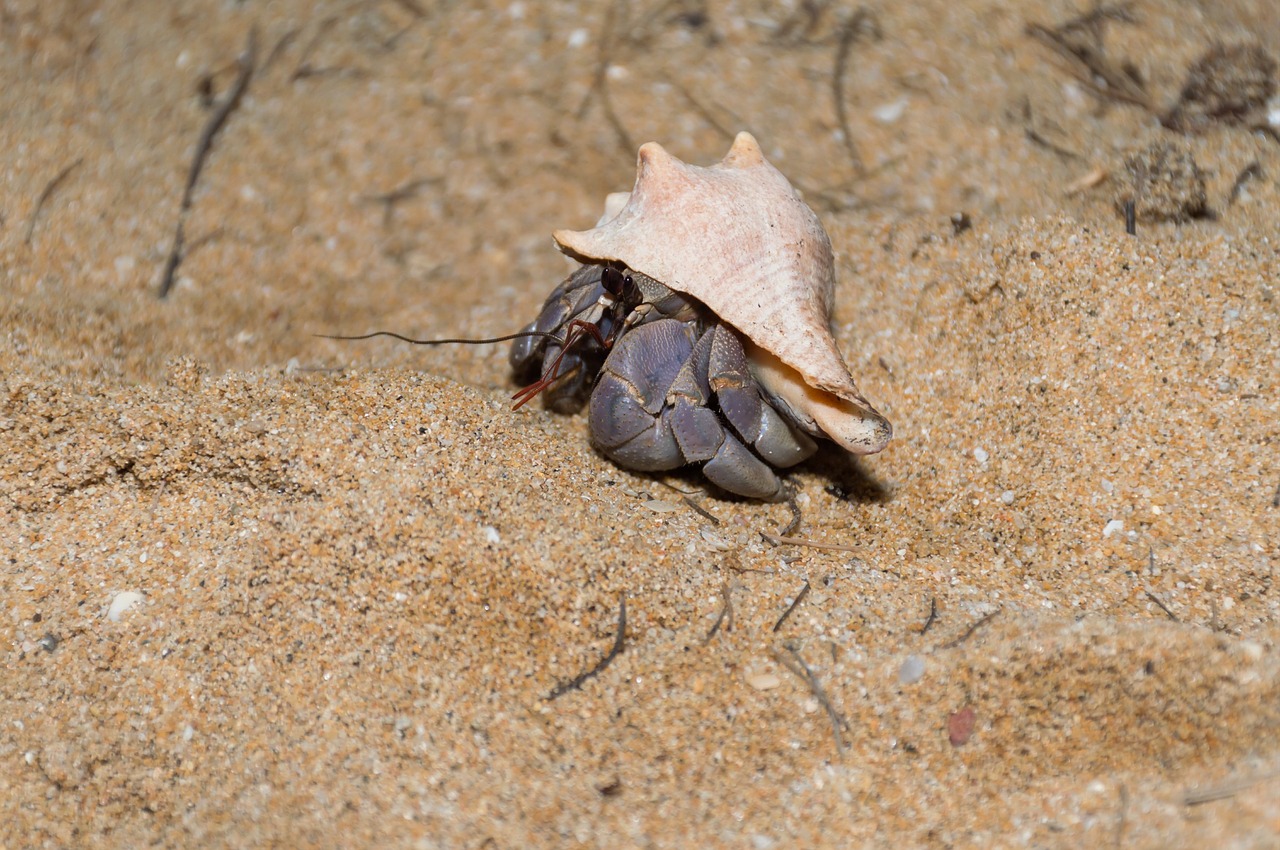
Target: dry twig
[
  {"x": 219, "y": 117},
  {"x": 618, "y": 644},
  {"x": 1079, "y": 41},
  {"x": 987, "y": 618},
  {"x": 933, "y": 615},
  {"x": 49, "y": 189},
  {"x": 844, "y": 48},
  {"x": 1163, "y": 607},
  {"x": 1230, "y": 788},
  {"x": 804, "y": 591},
  {"x": 793, "y": 662},
  {"x": 726, "y": 613}
]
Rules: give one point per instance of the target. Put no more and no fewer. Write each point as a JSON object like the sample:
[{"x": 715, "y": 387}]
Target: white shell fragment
[
  {"x": 737, "y": 237},
  {"x": 122, "y": 602}
]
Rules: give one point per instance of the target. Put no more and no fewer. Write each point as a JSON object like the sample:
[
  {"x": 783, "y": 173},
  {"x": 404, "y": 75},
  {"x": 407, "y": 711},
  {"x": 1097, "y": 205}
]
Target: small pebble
[
  {"x": 764, "y": 681},
  {"x": 121, "y": 602},
  {"x": 960, "y": 726},
  {"x": 890, "y": 112},
  {"x": 1112, "y": 527},
  {"x": 659, "y": 506},
  {"x": 911, "y": 671},
  {"x": 980, "y": 455},
  {"x": 1007, "y": 497},
  {"x": 715, "y": 541}
]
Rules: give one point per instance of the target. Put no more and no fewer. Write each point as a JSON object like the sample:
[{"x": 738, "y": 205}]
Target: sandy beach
[{"x": 259, "y": 588}]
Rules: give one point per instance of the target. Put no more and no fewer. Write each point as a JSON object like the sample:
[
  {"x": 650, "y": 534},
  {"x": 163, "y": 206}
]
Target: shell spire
[{"x": 737, "y": 236}]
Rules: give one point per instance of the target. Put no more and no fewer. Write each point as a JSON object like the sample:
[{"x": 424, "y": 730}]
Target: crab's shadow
[{"x": 845, "y": 477}]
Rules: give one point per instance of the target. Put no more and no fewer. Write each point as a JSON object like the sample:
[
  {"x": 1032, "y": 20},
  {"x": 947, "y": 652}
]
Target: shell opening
[{"x": 851, "y": 423}]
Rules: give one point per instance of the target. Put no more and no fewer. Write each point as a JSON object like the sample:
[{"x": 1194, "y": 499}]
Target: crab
[{"x": 697, "y": 327}]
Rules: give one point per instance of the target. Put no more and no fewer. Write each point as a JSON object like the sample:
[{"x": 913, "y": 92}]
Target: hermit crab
[{"x": 698, "y": 327}]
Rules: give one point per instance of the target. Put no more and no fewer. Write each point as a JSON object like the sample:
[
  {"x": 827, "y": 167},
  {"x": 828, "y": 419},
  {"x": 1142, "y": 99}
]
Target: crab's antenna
[{"x": 413, "y": 341}]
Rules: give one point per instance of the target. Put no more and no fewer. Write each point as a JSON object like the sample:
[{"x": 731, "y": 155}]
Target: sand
[{"x": 358, "y": 577}]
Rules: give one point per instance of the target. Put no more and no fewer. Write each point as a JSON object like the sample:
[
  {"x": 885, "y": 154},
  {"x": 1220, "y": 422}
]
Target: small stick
[
  {"x": 49, "y": 189},
  {"x": 1230, "y": 788},
  {"x": 203, "y": 146},
  {"x": 969, "y": 632},
  {"x": 1089, "y": 62},
  {"x": 1124, "y": 814},
  {"x": 1036, "y": 138},
  {"x": 1163, "y": 607},
  {"x": 797, "y": 666},
  {"x": 704, "y": 112},
  {"x": 848, "y": 34},
  {"x": 1275, "y": 500},
  {"x": 398, "y": 194},
  {"x": 281, "y": 46},
  {"x": 780, "y": 539},
  {"x": 618, "y": 642},
  {"x": 706, "y": 514},
  {"x": 304, "y": 67},
  {"x": 1131, "y": 217},
  {"x": 804, "y": 591},
  {"x": 933, "y": 615},
  {"x": 1250, "y": 172},
  {"x": 726, "y": 614},
  {"x": 600, "y": 83}
]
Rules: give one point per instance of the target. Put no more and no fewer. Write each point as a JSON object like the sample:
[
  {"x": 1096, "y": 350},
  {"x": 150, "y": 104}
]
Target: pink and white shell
[{"x": 737, "y": 237}]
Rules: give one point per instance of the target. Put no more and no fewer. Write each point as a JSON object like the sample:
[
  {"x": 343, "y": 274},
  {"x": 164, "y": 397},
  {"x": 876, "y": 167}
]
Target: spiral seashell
[{"x": 737, "y": 237}]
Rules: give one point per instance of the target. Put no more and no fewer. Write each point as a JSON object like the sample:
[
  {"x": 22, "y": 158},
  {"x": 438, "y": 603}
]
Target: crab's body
[{"x": 726, "y": 357}]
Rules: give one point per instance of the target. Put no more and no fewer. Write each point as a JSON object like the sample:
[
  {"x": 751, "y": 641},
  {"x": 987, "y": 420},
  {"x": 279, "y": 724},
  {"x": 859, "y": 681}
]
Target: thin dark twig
[
  {"x": 969, "y": 632},
  {"x": 848, "y": 34},
  {"x": 1275, "y": 500},
  {"x": 401, "y": 193},
  {"x": 1230, "y": 788},
  {"x": 618, "y": 643},
  {"x": 49, "y": 189},
  {"x": 1124, "y": 813},
  {"x": 219, "y": 117},
  {"x": 706, "y": 514},
  {"x": 796, "y": 665},
  {"x": 703, "y": 111},
  {"x": 1035, "y": 137},
  {"x": 726, "y": 613},
  {"x": 1088, "y": 63},
  {"x": 933, "y": 615},
  {"x": 1163, "y": 607},
  {"x": 804, "y": 591},
  {"x": 281, "y": 46},
  {"x": 1252, "y": 171},
  {"x": 1130, "y": 217},
  {"x": 600, "y": 83},
  {"x": 304, "y": 67}
]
